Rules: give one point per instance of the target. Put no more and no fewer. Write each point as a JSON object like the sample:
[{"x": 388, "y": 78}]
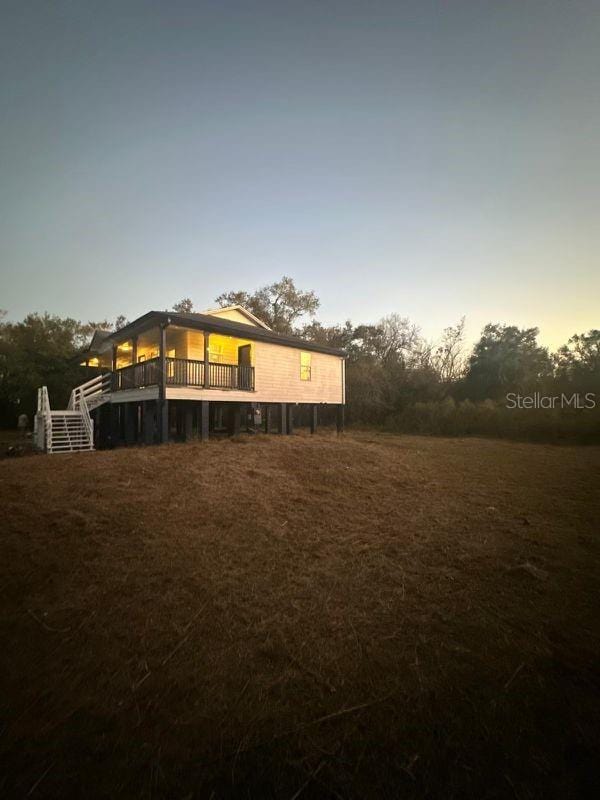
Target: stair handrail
[
  {"x": 88, "y": 422},
  {"x": 43, "y": 421},
  {"x": 96, "y": 387}
]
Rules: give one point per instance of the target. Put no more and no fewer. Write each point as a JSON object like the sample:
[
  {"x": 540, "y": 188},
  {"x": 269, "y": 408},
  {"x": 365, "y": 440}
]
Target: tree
[
  {"x": 447, "y": 358},
  {"x": 577, "y": 363},
  {"x": 401, "y": 341},
  {"x": 393, "y": 340},
  {"x": 582, "y": 352},
  {"x": 366, "y": 343},
  {"x": 333, "y": 335},
  {"x": 184, "y": 306},
  {"x": 280, "y": 304},
  {"x": 388, "y": 368},
  {"x": 506, "y": 359},
  {"x": 120, "y": 322},
  {"x": 39, "y": 351}
]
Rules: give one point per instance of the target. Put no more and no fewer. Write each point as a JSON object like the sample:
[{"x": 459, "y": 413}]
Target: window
[
  {"x": 304, "y": 366},
  {"x": 124, "y": 354},
  {"x": 215, "y": 351}
]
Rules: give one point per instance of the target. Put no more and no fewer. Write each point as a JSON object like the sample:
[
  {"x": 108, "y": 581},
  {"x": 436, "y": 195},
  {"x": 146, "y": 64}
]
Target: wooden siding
[
  {"x": 224, "y": 349},
  {"x": 187, "y": 343},
  {"x": 233, "y": 314},
  {"x": 277, "y": 379}
]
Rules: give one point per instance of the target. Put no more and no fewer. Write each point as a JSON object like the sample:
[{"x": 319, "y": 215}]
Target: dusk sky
[{"x": 434, "y": 159}]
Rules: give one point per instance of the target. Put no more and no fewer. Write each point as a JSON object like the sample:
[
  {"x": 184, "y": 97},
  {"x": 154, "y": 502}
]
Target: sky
[{"x": 434, "y": 159}]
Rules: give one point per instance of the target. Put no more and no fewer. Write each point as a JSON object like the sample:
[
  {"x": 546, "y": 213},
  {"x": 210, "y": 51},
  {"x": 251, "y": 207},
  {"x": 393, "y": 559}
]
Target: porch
[{"x": 183, "y": 372}]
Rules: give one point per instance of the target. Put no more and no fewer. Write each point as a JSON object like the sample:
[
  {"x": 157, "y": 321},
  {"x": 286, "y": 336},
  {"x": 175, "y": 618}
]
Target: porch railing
[
  {"x": 136, "y": 376},
  {"x": 184, "y": 372},
  {"x": 231, "y": 376}
]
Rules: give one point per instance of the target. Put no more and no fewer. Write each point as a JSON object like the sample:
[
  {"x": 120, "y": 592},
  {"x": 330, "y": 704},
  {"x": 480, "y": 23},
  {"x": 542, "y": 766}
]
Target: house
[{"x": 171, "y": 376}]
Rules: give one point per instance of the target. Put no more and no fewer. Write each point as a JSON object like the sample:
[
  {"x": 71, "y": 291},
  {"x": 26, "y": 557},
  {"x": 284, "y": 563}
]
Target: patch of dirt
[{"x": 357, "y": 616}]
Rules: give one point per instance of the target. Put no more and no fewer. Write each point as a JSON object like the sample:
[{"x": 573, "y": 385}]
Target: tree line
[{"x": 396, "y": 378}]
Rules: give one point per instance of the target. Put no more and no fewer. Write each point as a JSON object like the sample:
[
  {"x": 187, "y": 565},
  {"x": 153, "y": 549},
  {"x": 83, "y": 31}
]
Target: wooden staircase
[{"x": 70, "y": 430}]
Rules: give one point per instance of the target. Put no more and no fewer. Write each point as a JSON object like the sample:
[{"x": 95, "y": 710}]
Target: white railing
[
  {"x": 94, "y": 392},
  {"x": 42, "y": 426},
  {"x": 83, "y": 399},
  {"x": 90, "y": 395},
  {"x": 88, "y": 422}
]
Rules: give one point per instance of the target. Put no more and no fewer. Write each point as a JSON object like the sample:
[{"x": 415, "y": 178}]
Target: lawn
[{"x": 347, "y": 617}]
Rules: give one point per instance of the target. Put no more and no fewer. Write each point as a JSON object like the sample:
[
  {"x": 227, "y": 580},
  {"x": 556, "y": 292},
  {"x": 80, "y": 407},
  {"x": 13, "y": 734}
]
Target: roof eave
[{"x": 213, "y": 324}]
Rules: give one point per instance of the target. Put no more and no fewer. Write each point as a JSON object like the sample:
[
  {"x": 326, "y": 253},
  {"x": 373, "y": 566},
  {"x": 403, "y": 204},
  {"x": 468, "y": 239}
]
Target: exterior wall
[
  {"x": 195, "y": 345},
  {"x": 187, "y": 343},
  {"x": 224, "y": 349},
  {"x": 277, "y": 376},
  {"x": 277, "y": 379}
]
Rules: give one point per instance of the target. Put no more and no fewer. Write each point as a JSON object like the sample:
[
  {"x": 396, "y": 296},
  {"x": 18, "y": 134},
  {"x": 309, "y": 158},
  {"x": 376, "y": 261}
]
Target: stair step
[
  {"x": 58, "y": 450},
  {"x": 68, "y": 430},
  {"x": 68, "y": 427},
  {"x": 69, "y": 445}
]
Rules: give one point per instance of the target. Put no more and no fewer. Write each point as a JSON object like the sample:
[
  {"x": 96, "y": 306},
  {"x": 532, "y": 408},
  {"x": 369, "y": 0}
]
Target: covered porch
[{"x": 175, "y": 356}]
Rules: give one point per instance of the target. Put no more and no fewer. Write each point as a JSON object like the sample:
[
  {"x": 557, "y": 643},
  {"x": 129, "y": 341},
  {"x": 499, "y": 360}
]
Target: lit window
[
  {"x": 216, "y": 351},
  {"x": 304, "y": 366}
]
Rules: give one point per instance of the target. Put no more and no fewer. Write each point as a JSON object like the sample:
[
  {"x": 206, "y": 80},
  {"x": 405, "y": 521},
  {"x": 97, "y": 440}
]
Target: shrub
[{"x": 488, "y": 418}]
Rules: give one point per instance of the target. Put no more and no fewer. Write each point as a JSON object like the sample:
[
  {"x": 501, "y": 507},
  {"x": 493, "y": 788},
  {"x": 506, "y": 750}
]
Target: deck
[{"x": 184, "y": 372}]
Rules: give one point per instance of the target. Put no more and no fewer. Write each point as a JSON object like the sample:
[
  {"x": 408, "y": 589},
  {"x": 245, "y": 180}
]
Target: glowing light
[{"x": 305, "y": 366}]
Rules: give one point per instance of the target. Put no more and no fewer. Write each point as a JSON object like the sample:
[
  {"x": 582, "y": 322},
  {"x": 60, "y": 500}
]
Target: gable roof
[
  {"x": 217, "y": 312},
  {"x": 99, "y": 335}
]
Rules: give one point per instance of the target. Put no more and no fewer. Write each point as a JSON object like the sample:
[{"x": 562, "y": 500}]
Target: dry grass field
[{"x": 302, "y": 617}]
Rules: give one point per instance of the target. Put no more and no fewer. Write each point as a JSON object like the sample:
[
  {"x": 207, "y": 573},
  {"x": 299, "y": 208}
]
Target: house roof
[
  {"x": 99, "y": 336},
  {"x": 210, "y": 324},
  {"x": 240, "y": 309}
]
